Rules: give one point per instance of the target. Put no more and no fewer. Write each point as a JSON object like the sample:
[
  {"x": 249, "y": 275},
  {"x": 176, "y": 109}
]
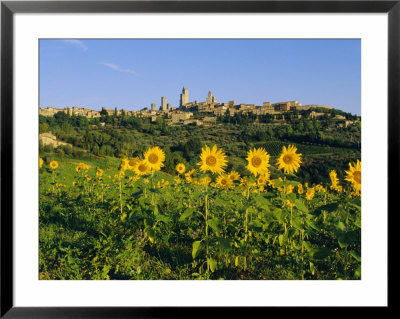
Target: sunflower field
[{"x": 131, "y": 220}]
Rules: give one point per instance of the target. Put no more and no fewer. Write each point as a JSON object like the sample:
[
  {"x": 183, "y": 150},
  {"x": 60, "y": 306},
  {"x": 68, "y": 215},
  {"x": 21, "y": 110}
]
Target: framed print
[{"x": 196, "y": 154}]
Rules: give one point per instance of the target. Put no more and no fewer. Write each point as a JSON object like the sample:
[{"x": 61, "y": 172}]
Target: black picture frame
[{"x": 9, "y": 8}]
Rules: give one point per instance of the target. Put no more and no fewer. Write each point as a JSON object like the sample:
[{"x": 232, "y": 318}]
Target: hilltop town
[{"x": 185, "y": 113}]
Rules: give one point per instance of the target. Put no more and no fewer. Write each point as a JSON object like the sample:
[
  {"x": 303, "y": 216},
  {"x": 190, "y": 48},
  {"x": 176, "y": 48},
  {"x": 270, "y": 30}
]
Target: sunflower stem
[
  {"x": 246, "y": 224},
  {"x": 246, "y": 216},
  {"x": 302, "y": 254},
  {"x": 206, "y": 217},
  {"x": 120, "y": 194}
]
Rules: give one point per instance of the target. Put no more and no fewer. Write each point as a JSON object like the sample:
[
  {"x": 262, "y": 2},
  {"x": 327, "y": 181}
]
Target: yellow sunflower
[
  {"x": 289, "y": 203},
  {"x": 289, "y": 160},
  {"x": 177, "y": 180},
  {"x": 289, "y": 189},
  {"x": 334, "y": 179},
  {"x": 310, "y": 193},
  {"x": 213, "y": 160},
  {"x": 155, "y": 157},
  {"x": 204, "y": 181},
  {"x": 124, "y": 164},
  {"x": 244, "y": 182},
  {"x": 53, "y": 164},
  {"x": 81, "y": 166},
  {"x": 300, "y": 189},
  {"x": 180, "y": 168},
  {"x": 224, "y": 181},
  {"x": 99, "y": 172},
  {"x": 142, "y": 168},
  {"x": 271, "y": 183},
  {"x": 258, "y": 161},
  {"x": 132, "y": 162},
  {"x": 189, "y": 175},
  {"x": 262, "y": 180},
  {"x": 353, "y": 175},
  {"x": 234, "y": 176},
  {"x": 40, "y": 162}
]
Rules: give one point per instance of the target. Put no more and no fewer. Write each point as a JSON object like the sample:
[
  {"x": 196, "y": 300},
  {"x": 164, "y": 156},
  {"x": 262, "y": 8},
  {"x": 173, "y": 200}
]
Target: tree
[
  {"x": 103, "y": 112},
  {"x": 43, "y": 127},
  {"x": 95, "y": 149}
]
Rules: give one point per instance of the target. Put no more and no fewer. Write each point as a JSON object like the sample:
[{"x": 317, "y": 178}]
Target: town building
[{"x": 210, "y": 108}]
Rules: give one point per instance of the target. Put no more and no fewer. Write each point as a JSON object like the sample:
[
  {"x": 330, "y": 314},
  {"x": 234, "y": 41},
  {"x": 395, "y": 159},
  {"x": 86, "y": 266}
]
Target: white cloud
[
  {"x": 118, "y": 68},
  {"x": 78, "y": 43}
]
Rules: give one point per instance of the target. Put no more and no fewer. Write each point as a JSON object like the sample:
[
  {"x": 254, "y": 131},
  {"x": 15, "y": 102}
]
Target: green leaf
[
  {"x": 300, "y": 206},
  {"x": 344, "y": 240},
  {"x": 341, "y": 226},
  {"x": 255, "y": 225},
  {"x": 328, "y": 207},
  {"x": 307, "y": 245},
  {"x": 196, "y": 248},
  {"x": 155, "y": 210},
  {"x": 294, "y": 183},
  {"x": 355, "y": 255},
  {"x": 357, "y": 273},
  {"x": 355, "y": 203},
  {"x": 290, "y": 233},
  {"x": 278, "y": 183},
  {"x": 312, "y": 268},
  {"x": 313, "y": 225},
  {"x": 281, "y": 239},
  {"x": 278, "y": 214},
  {"x": 296, "y": 223},
  {"x": 262, "y": 202},
  {"x": 319, "y": 253},
  {"x": 221, "y": 202},
  {"x": 296, "y": 244},
  {"x": 214, "y": 223},
  {"x": 224, "y": 243},
  {"x": 291, "y": 197},
  {"x": 187, "y": 213},
  {"x": 163, "y": 218},
  {"x": 151, "y": 234},
  {"x": 213, "y": 264}
]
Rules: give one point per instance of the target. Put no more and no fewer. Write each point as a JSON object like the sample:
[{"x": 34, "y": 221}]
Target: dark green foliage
[{"x": 326, "y": 145}]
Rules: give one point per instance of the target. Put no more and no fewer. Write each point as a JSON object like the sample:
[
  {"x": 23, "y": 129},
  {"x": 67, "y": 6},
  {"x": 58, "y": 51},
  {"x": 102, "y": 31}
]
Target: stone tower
[
  {"x": 153, "y": 107},
  {"x": 163, "y": 103},
  {"x": 209, "y": 98},
  {"x": 184, "y": 96}
]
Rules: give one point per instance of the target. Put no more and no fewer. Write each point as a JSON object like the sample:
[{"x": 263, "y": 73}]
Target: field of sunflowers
[{"x": 131, "y": 220}]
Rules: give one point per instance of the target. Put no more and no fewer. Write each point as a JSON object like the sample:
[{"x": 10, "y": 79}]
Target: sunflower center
[
  {"x": 256, "y": 161},
  {"x": 287, "y": 159},
  {"x": 357, "y": 176},
  {"x": 142, "y": 167},
  {"x": 132, "y": 162},
  {"x": 223, "y": 182},
  {"x": 211, "y": 160},
  {"x": 153, "y": 158}
]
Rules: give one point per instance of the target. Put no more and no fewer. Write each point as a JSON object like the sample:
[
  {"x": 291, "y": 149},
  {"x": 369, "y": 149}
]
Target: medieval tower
[
  {"x": 184, "y": 96},
  {"x": 163, "y": 103}
]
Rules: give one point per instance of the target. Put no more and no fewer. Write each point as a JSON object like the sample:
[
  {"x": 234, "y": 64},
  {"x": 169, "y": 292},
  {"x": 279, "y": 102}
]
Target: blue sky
[{"x": 132, "y": 74}]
